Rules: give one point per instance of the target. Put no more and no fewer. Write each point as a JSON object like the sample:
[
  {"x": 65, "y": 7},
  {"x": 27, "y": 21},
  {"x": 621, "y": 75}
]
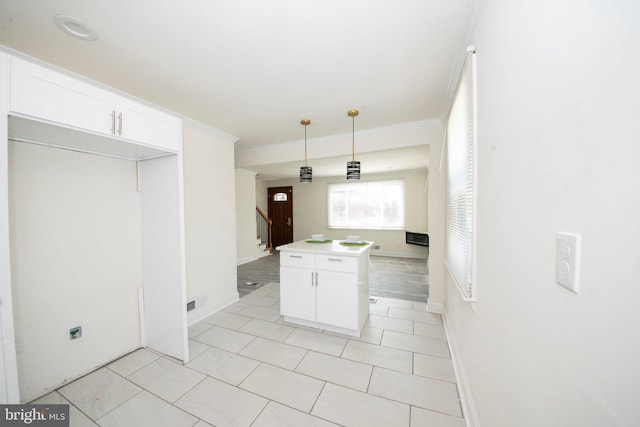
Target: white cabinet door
[
  {"x": 337, "y": 299},
  {"x": 297, "y": 293},
  {"x": 45, "y": 94},
  {"x": 140, "y": 123}
]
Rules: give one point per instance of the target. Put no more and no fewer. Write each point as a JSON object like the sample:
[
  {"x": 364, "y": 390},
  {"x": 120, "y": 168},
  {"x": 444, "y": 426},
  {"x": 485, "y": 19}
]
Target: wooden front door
[{"x": 281, "y": 213}]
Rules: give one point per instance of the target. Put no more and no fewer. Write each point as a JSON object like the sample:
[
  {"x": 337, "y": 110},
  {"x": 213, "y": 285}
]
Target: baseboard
[
  {"x": 377, "y": 252},
  {"x": 466, "y": 399},
  {"x": 434, "y": 307},
  {"x": 251, "y": 258},
  {"x": 198, "y": 314}
]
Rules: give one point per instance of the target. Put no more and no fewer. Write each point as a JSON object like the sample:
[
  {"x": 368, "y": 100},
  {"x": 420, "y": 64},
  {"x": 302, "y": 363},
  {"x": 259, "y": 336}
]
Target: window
[
  {"x": 461, "y": 176},
  {"x": 280, "y": 197},
  {"x": 373, "y": 205}
]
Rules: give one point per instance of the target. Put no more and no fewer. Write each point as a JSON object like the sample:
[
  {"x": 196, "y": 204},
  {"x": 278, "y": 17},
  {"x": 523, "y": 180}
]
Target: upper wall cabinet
[{"x": 43, "y": 94}]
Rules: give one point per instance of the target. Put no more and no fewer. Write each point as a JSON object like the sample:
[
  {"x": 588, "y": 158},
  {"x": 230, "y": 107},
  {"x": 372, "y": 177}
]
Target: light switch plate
[{"x": 568, "y": 260}]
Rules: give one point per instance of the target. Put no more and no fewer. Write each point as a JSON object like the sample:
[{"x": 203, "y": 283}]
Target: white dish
[
  {"x": 353, "y": 239},
  {"x": 318, "y": 237}
]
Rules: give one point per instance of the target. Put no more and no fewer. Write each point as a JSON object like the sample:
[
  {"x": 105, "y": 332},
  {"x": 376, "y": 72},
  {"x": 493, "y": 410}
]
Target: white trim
[
  {"x": 435, "y": 307},
  {"x": 198, "y": 314},
  {"x": 9, "y": 370},
  {"x": 377, "y": 252},
  {"x": 466, "y": 398},
  {"x": 143, "y": 331}
]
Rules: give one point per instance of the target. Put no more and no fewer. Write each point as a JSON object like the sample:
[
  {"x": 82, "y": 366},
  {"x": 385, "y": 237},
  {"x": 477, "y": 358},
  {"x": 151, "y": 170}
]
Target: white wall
[
  {"x": 310, "y": 212},
  {"x": 75, "y": 261},
  {"x": 247, "y": 247},
  {"x": 262, "y": 198},
  {"x": 558, "y": 107},
  {"x": 210, "y": 221}
]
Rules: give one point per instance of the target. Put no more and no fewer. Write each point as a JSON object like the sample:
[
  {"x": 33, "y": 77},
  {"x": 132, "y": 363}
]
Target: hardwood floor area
[
  {"x": 399, "y": 278},
  {"x": 261, "y": 271}
]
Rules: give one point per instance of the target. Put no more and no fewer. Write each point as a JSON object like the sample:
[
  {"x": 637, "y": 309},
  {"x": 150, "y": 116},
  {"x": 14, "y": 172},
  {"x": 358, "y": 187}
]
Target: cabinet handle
[
  {"x": 120, "y": 123},
  {"x": 295, "y": 256},
  {"x": 316, "y": 278},
  {"x": 312, "y": 279},
  {"x": 335, "y": 259},
  {"x": 113, "y": 122}
]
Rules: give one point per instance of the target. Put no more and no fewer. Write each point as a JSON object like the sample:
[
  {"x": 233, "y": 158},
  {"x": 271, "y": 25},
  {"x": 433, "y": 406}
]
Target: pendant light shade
[
  {"x": 306, "y": 173},
  {"x": 353, "y": 170},
  {"x": 353, "y": 166}
]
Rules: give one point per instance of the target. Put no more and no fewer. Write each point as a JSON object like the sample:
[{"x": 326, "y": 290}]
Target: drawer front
[
  {"x": 294, "y": 259},
  {"x": 346, "y": 264}
]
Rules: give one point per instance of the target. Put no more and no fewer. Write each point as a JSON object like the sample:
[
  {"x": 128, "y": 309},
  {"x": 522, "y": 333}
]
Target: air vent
[{"x": 197, "y": 303}]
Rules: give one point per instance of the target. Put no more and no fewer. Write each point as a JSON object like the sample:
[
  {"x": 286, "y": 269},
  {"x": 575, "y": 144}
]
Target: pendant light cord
[
  {"x": 305, "y": 145},
  {"x": 353, "y": 138}
]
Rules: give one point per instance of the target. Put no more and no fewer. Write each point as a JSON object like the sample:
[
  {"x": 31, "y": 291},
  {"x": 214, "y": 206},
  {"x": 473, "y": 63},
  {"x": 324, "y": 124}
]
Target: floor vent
[{"x": 373, "y": 300}]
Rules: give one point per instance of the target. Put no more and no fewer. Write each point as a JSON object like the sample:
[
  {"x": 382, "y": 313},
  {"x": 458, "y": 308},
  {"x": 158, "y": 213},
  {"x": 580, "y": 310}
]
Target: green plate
[
  {"x": 318, "y": 241},
  {"x": 354, "y": 243}
]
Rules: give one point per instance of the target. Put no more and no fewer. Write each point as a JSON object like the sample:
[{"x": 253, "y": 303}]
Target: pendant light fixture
[
  {"x": 353, "y": 167},
  {"x": 306, "y": 173}
]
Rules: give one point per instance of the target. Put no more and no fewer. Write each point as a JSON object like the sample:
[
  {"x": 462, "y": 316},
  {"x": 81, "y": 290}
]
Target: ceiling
[{"x": 254, "y": 68}]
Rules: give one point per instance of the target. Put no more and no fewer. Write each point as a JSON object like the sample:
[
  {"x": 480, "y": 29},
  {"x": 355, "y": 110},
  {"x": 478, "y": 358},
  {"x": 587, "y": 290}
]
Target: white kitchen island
[{"x": 325, "y": 285}]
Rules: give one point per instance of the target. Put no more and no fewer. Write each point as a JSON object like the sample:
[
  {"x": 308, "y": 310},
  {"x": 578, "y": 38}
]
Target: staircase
[
  {"x": 263, "y": 231},
  {"x": 264, "y": 246}
]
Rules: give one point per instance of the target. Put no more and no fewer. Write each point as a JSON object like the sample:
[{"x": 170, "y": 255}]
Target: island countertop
[{"x": 334, "y": 247}]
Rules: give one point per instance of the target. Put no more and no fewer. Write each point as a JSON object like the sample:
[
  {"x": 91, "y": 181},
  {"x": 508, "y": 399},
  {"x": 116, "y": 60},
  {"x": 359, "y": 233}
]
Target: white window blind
[
  {"x": 372, "y": 205},
  {"x": 461, "y": 177}
]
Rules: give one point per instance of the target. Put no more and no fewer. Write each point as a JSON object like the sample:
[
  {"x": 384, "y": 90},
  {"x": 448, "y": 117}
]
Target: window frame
[
  {"x": 347, "y": 185},
  {"x": 461, "y": 215}
]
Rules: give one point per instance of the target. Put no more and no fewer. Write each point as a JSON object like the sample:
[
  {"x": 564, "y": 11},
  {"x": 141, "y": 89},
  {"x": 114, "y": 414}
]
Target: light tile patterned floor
[{"x": 250, "y": 368}]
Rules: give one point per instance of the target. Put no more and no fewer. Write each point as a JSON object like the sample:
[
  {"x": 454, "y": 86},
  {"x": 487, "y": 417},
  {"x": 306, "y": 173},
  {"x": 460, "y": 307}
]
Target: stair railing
[{"x": 263, "y": 228}]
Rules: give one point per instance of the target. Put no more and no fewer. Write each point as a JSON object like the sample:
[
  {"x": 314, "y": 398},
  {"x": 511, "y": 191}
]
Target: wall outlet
[
  {"x": 75, "y": 333},
  {"x": 568, "y": 261}
]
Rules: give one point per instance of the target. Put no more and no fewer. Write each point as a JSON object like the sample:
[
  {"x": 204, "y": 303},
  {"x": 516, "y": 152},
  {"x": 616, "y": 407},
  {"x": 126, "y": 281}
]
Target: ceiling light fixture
[
  {"x": 305, "y": 171},
  {"x": 75, "y": 27},
  {"x": 353, "y": 167}
]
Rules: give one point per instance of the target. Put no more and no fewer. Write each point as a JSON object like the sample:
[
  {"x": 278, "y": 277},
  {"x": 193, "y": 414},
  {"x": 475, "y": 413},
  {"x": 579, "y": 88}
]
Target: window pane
[
  {"x": 367, "y": 205},
  {"x": 338, "y": 206},
  {"x": 280, "y": 197}
]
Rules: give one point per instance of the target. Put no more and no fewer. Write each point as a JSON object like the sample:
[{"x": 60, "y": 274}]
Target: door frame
[{"x": 280, "y": 189}]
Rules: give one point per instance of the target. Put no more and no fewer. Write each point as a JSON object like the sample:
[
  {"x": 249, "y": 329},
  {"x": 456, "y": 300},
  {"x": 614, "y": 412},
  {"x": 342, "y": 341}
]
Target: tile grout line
[{"x": 307, "y": 351}]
